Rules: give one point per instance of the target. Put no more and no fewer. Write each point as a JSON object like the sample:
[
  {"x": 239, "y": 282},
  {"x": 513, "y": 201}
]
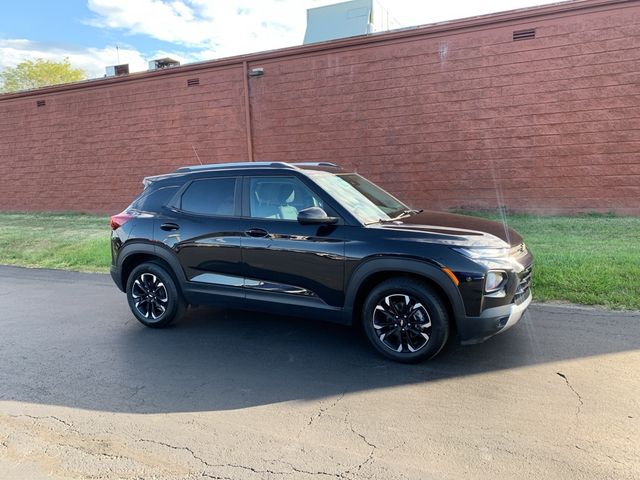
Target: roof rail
[
  {"x": 315, "y": 164},
  {"x": 219, "y": 166}
]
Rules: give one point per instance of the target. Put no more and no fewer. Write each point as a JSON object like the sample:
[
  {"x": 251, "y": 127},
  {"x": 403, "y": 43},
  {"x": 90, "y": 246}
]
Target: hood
[{"x": 458, "y": 228}]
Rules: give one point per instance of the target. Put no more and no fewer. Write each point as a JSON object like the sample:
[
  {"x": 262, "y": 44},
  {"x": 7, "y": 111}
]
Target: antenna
[
  {"x": 197, "y": 156},
  {"x": 118, "y": 54}
]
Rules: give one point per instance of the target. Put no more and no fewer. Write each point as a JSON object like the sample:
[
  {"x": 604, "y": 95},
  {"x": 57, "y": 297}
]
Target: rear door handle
[
  {"x": 257, "y": 232},
  {"x": 169, "y": 227}
]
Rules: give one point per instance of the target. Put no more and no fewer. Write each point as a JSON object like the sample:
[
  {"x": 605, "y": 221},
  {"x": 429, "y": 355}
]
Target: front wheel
[
  {"x": 153, "y": 295},
  {"x": 405, "y": 320}
]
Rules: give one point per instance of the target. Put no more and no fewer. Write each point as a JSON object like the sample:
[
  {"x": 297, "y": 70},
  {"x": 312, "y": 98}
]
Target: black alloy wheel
[
  {"x": 406, "y": 320},
  {"x": 150, "y": 296},
  {"x": 153, "y": 296},
  {"x": 402, "y": 323}
]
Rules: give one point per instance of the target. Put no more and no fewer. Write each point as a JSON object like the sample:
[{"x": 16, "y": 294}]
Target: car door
[
  {"x": 205, "y": 232},
  {"x": 285, "y": 261}
]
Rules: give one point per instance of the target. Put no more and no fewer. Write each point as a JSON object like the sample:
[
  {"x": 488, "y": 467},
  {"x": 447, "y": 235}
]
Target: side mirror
[{"x": 315, "y": 216}]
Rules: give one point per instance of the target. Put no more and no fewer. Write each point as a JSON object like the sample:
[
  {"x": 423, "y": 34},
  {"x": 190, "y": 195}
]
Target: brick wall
[
  {"x": 455, "y": 116},
  {"x": 89, "y": 149}
]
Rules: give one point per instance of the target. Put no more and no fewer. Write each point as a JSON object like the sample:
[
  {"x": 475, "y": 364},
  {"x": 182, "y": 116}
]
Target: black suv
[{"x": 311, "y": 240}]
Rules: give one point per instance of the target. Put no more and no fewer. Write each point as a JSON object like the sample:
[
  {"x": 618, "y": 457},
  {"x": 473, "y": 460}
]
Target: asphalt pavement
[{"x": 88, "y": 392}]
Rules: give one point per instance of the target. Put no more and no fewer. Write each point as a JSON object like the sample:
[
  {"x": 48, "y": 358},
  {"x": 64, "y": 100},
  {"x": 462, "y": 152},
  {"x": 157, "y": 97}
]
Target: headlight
[
  {"x": 483, "y": 252},
  {"x": 494, "y": 280},
  {"x": 493, "y": 258}
]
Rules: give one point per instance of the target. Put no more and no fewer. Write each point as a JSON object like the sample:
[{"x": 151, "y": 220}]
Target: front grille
[{"x": 523, "y": 286}]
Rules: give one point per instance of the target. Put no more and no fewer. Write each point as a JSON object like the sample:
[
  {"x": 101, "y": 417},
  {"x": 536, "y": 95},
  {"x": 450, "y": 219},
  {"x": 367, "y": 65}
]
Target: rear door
[{"x": 205, "y": 232}]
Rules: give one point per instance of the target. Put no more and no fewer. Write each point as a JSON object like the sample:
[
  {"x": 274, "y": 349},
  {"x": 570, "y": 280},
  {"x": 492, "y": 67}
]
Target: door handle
[
  {"x": 257, "y": 232},
  {"x": 169, "y": 227}
]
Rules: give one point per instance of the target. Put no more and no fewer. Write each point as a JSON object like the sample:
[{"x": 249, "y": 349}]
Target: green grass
[
  {"x": 592, "y": 259},
  {"x": 587, "y": 259},
  {"x": 68, "y": 241}
]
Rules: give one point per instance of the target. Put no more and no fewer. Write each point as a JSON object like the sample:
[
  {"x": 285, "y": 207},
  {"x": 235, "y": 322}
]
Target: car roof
[{"x": 239, "y": 166}]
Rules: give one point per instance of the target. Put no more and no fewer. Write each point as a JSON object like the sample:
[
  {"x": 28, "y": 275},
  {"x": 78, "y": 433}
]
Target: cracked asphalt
[{"x": 87, "y": 392}]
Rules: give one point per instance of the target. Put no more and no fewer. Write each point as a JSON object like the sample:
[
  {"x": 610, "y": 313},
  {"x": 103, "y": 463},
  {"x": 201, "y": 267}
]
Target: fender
[
  {"x": 159, "y": 251},
  {"x": 406, "y": 265}
]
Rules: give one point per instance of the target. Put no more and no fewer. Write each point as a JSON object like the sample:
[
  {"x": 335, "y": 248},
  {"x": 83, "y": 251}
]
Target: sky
[{"x": 97, "y": 33}]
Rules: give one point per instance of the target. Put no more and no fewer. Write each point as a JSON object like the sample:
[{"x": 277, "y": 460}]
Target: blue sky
[
  {"x": 62, "y": 21},
  {"x": 88, "y": 31}
]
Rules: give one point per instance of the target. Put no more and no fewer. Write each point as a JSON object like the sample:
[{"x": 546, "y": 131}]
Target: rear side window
[
  {"x": 212, "y": 196},
  {"x": 153, "y": 200}
]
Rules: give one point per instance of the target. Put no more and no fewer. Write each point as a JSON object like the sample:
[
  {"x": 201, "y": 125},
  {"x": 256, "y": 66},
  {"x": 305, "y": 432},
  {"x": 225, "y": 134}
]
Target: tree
[{"x": 38, "y": 73}]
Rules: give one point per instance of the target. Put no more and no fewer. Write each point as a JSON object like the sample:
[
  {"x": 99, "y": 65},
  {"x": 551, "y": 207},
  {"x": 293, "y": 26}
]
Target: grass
[
  {"x": 587, "y": 259},
  {"x": 591, "y": 259},
  {"x": 68, "y": 241}
]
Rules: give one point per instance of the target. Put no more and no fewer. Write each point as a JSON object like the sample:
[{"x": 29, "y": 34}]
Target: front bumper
[{"x": 491, "y": 322}]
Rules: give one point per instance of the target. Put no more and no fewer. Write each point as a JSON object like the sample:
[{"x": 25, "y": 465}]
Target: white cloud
[
  {"x": 211, "y": 28},
  {"x": 220, "y": 28},
  {"x": 207, "y": 29},
  {"x": 92, "y": 60},
  {"x": 175, "y": 22}
]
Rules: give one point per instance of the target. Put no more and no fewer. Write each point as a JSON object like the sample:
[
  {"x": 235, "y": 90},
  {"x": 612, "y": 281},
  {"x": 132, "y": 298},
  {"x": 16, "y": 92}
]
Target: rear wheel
[
  {"x": 405, "y": 320},
  {"x": 153, "y": 295}
]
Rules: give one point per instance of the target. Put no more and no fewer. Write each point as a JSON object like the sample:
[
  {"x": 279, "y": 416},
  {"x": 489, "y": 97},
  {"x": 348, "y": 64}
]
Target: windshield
[{"x": 364, "y": 200}]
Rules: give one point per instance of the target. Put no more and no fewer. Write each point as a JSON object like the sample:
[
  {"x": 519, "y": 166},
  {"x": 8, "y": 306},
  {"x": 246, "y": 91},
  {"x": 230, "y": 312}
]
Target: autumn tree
[{"x": 38, "y": 73}]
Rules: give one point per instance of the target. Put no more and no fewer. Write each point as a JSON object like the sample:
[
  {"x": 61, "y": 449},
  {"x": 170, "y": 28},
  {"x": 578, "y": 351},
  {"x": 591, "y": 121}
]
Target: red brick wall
[
  {"x": 464, "y": 117},
  {"x": 89, "y": 150}
]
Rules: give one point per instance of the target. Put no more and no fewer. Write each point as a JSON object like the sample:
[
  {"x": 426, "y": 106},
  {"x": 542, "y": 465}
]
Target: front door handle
[
  {"x": 169, "y": 227},
  {"x": 257, "y": 232}
]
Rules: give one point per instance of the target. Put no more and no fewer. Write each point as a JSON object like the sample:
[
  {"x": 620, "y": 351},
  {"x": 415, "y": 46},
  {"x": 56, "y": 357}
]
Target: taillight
[{"x": 119, "y": 220}]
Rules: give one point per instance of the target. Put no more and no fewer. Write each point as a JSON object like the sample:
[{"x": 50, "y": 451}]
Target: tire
[
  {"x": 405, "y": 320},
  {"x": 161, "y": 303}
]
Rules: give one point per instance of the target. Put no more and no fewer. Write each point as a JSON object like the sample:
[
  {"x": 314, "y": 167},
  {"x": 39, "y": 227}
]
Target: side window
[
  {"x": 212, "y": 196},
  {"x": 154, "y": 199},
  {"x": 279, "y": 198}
]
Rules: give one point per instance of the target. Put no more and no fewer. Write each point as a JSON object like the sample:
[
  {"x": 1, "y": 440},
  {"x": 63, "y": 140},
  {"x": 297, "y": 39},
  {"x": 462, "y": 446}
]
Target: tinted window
[
  {"x": 151, "y": 200},
  {"x": 280, "y": 198},
  {"x": 213, "y": 196}
]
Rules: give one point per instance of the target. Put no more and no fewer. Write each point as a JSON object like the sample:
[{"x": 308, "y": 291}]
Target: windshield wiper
[
  {"x": 400, "y": 216},
  {"x": 404, "y": 214}
]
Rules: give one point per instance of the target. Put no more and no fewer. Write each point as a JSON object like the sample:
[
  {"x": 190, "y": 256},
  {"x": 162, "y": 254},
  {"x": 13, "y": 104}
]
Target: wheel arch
[
  {"x": 134, "y": 254},
  {"x": 372, "y": 272}
]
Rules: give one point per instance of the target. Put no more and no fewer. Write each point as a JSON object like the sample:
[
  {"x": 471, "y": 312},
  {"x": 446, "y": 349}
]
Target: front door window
[{"x": 279, "y": 198}]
